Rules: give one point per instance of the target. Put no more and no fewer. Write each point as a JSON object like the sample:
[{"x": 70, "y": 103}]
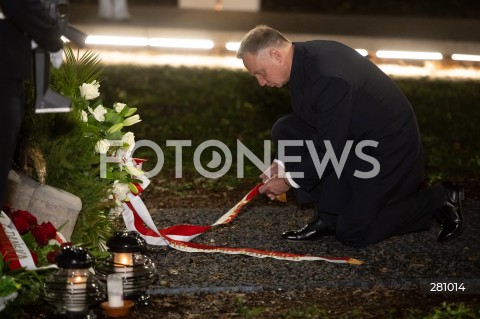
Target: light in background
[
  {"x": 181, "y": 43},
  {"x": 207, "y": 53},
  {"x": 117, "y": 41},
  {"x": 409, "y": 55},
  {"x": 146, "y": 58},
  {"x": 152, "y": 42},
  {"x": 232, "y": 46},
  {"x": 466, "y": 57},
  {"x": 362, "y": 52}
]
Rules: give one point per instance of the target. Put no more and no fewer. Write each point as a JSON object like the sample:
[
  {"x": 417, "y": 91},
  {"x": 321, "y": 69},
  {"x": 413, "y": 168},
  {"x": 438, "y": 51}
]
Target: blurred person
[
  {"x": 21, "y": 21},
  {"x": 113, "y": 10},
  {"x": 346, "y": 109}
]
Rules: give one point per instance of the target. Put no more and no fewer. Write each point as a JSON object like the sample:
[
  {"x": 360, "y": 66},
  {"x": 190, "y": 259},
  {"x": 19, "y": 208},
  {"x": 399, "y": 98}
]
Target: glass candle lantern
[
  {"x": 127, "y": 260},
  {"x": 72, "y": 289}
]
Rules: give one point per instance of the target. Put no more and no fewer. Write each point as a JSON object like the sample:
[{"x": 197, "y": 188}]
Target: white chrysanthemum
[
  {"x": 102, "y": 146},
  {"x": 128, "y": 138},
  {"x": 120, "y": 191},
  {"x": 119, "y": 107},
  {"x": 90, "y": 90},
  {"x": 99, "y": 113}
]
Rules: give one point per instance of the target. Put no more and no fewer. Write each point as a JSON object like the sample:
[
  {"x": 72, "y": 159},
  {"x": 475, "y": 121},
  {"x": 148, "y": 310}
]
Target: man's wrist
[{"x": 290, "y": 180}]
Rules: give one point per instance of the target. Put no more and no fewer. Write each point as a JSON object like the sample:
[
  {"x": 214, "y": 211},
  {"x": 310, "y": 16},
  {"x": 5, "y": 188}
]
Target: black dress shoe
[
  {"x": 316, "y": 228},
  {"x": 451, "y": 215}
]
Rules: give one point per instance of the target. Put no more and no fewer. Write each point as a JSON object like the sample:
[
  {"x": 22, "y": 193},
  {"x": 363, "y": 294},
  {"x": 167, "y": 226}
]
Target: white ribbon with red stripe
[{"x": 137, "y": 218}]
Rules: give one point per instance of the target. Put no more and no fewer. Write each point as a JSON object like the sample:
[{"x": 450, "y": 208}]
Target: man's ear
[{"x": 276, "y": 55}]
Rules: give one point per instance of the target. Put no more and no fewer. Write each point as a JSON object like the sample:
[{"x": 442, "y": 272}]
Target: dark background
[{"x": 462, "y": 9}]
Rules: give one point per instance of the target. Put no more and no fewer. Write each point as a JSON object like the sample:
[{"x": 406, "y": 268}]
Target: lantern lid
[
  {"x": 71, "y": 257},
  {"x": 126, "y": 242}
]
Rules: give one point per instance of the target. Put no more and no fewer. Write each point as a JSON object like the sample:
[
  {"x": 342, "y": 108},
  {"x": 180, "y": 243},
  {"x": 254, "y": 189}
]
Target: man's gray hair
[{"x": 259, "y": 38}]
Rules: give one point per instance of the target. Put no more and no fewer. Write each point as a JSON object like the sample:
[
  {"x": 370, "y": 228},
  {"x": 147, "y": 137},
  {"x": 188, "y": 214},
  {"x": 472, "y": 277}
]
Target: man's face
[{"x": 268, "y": 67}]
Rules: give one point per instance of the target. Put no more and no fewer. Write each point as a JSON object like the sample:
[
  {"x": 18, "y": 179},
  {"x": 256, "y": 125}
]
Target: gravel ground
[
  {"x": 393, "y": 282},
  {"x": 404, "y": 262}
]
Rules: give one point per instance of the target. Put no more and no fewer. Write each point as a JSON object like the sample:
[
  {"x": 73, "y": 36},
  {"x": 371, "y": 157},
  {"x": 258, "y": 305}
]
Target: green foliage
[
  {"x": 72, "y": 164},
  {"x": 8, "y": 285},
  {"x": 76, "y": 70},
  {"x": 307, "y": 312},
  {"x": 447, "y": 113},
  {"x": 28, "y": 285},
  {"x": 198, "y": 105},
  {"x": 457, "y": 311},
  {"x": 244, "y": 311},
  {"x": 41, "y": 252}
]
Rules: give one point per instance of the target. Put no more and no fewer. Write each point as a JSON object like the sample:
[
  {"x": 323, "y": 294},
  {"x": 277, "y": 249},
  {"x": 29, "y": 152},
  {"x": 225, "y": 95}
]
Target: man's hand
[
  {"x": 274, "y": 186},
  {"x": 269, "y": 172},
  {"x": 275, "y": 169}
]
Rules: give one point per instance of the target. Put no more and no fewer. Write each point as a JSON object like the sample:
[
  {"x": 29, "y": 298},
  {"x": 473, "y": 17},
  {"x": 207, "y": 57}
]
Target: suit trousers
[
  {"x": 363, "y": 215},
  {"x": 11, "y": 109}
]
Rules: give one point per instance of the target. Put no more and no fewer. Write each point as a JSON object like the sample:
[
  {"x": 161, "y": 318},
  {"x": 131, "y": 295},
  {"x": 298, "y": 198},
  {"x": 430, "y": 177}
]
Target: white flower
[
  {"x": 128, "y": 138},
  {"x": 123, "y": 155},
  {"x": 90, "y": 90},
  {"x": 120, "y": 191},
  {"x": 102, "y": 146},
  {"x": 84, "y": 116},
  {"x": 99, "y": 113},
  {"x": 132, "y": 120},
  {"x": 119, "y": 107}
]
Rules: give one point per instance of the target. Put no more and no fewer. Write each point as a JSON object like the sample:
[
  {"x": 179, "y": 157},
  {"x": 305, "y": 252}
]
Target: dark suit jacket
[
  {"x": 344, "y": 96},
  {"x": 25, "y": 20}
]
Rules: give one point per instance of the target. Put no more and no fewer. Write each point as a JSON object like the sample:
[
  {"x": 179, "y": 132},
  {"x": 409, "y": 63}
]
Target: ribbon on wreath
[
  {"x": 14, "y": 250},
  {"x": 137, "y": 218}
]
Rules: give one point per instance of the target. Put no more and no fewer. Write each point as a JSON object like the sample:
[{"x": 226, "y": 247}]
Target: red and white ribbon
[
  {"x": 13, "y": 248},
  {"x": 137, "y": 218}
]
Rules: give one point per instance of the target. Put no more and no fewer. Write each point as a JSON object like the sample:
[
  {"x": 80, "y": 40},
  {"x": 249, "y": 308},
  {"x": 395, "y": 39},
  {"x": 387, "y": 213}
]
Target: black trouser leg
[{"x": 409, "y": 214}]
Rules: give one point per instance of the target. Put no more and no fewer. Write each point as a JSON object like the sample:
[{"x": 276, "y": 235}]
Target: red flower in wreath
[
  {"x": 52, "y": 255},
  {"x": 43, "y": 233},
  {"x": 36, "y": 237},
  {"x": 23, "y": 220}
]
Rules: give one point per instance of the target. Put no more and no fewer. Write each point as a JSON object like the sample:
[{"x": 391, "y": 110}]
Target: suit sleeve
[
  {"x": 32, "y": 18},
  {"x": 329, "y": 101}
]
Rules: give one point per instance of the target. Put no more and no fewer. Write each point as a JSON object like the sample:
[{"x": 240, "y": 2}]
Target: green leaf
[
  {"x": 30, "y": 241},
  {"x": 8, "y": 285}
]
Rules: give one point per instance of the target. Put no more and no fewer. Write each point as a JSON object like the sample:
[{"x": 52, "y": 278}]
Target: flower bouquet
[
  {"x": 79, "y": 146},
  {"x": 26, "y": 246},
  {"x": 24, "y": 243}
]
